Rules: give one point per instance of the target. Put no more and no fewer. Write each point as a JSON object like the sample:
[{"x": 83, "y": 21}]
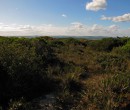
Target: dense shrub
[
  {"x": 5, "y": 86},
  {"x": 107, "y": 44},
  {"x": 25, "y": 65},
  {"x": 112, "y": 63},
  {"x": 68, "y": 68}
]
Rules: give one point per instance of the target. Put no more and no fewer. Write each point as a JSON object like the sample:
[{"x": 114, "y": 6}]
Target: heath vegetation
[{"x": 81, "y": 74}]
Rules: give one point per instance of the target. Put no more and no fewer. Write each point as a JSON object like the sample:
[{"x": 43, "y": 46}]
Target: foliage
[
  {"x": 112, "y": 93},
  {"x": 83, "y": 74},
  {"x": 112, "y": 63},
  {"x": 107, "y": 44}
]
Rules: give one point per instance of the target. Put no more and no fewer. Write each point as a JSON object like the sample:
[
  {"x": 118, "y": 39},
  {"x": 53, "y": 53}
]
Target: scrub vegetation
[{"x": 81, "y": 74}]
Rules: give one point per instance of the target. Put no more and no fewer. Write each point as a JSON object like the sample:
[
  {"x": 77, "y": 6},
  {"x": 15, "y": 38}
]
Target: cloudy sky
[{"x": 65, "y": 17}]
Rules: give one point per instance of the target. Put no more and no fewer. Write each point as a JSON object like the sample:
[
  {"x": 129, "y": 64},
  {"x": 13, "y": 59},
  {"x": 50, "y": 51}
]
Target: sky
[{"x": 65, "y": 17}]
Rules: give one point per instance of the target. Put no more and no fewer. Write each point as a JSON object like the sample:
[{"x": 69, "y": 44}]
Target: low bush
[
  {"x": 112, "y": 93},
  {"x": 112, "y": 63}
]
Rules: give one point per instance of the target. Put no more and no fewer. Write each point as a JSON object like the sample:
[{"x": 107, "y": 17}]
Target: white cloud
[
  {"x": 74, "y": 29},
  {"x": 77, "y": 25},
  {"x": 123, "y": 18},
  {"x": 25, "y": 27},
  {"x": 64, "y": 15},
  {"x": 96, "y": 5},
  {"x": 114, "y": 28},
  {"x": 96, "y": 27}
]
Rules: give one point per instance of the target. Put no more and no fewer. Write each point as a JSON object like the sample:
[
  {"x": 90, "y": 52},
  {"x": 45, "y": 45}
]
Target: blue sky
[{"x": 65, "y": 17}]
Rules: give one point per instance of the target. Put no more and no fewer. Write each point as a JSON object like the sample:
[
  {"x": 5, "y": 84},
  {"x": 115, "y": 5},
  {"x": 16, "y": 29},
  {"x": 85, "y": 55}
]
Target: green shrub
[
  {"x": 106, "y": 44},
  {"x": 112, "y": 93},
  {"x": 33, "y": 67},
  {"x": 112, "y": 63},
  {"x": 123, "y": 50}
]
